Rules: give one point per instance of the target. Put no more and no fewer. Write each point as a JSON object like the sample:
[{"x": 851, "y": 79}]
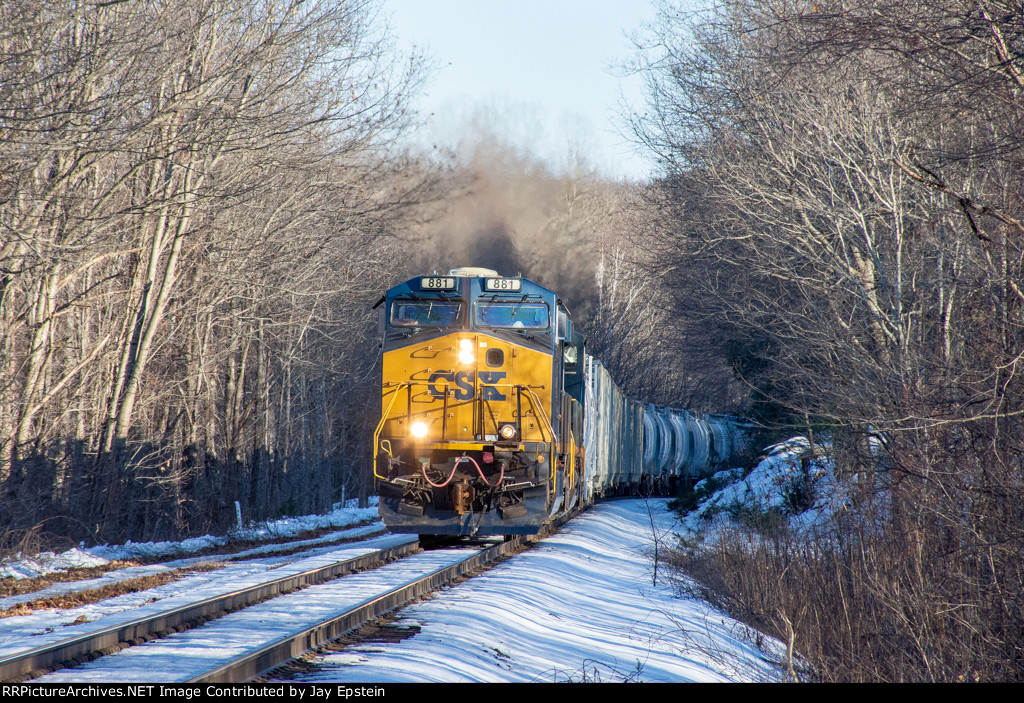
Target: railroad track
[
  {"x": 277, "y": 623},
  {"x": 295, "y": 644}
]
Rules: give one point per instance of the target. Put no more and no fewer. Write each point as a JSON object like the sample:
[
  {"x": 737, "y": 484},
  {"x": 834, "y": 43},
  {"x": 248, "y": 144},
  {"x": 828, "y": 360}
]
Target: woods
[
  {"x": 200, "y": 203},
  {"x": 193, "y": 206},
  {"x": 843, "y": 199}
]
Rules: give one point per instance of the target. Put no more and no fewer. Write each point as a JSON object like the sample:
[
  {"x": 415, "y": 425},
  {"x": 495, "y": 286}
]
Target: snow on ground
[
  {"x": 580, "y": 606},
  {"x": 81, "y": 556},
  {"x": 185, "y": 655},
  {"x": 42, "y": 627},
  {"x": 777, "y": 484},
  {"x": 51, "y": 624},
  {"x": 231, "y": 569}
]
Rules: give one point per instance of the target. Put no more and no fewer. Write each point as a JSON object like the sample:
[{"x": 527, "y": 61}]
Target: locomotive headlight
[
  {"x": 507, "y": 431},
  {"x": 466, "y": 355},
  {"x": 419, "y": 430}
]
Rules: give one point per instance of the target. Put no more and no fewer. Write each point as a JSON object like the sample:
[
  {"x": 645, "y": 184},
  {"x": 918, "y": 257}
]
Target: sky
[{"x": 547, "y": 74}]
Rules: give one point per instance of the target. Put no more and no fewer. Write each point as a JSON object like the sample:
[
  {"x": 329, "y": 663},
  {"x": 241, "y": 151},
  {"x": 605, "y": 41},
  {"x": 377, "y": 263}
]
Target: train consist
[{"x": 494, "y": 420}]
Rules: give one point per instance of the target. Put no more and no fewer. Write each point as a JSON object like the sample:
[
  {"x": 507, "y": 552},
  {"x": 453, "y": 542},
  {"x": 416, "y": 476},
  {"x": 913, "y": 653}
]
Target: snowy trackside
[
  {"x": 81, "y": 556},
  {"x": 578, "y": 607},
  {"x": 43, "y": 627},
  {"x": 772, "y": 486}
]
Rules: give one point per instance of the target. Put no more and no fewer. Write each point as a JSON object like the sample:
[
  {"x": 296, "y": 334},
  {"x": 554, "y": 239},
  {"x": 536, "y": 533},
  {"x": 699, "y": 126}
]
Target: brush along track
[{"x": 76, "y": 650}]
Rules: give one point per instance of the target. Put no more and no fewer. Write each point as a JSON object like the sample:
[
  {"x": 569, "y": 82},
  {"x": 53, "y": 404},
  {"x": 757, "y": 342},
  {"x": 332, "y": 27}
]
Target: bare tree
[
  {"x": 828, "y": 203},
  {"x": 194, "y": 198}
]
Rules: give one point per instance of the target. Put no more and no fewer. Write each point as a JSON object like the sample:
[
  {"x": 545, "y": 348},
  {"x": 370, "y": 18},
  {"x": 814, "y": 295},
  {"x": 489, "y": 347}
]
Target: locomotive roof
[{"x": 471, "y": 285}]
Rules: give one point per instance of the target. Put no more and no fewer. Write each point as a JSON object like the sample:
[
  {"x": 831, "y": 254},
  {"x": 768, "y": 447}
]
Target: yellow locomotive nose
[{"x": 468, "y": 381}]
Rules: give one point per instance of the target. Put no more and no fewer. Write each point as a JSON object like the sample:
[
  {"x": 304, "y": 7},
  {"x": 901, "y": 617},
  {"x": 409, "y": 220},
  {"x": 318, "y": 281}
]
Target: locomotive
[{"x": 495, "y": 421}]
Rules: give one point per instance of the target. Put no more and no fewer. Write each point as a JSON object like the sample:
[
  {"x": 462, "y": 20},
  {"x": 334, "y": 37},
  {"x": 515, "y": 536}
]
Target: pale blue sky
[{"x": 545, "y": 72}]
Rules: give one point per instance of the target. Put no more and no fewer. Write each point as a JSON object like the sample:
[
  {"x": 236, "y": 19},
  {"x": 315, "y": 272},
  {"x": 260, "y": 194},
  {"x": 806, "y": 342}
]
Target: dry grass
[
  {"x": 95, "y": 595},
  {"x": 890, "y": 592},
  {"x": 17, "y": 587}
]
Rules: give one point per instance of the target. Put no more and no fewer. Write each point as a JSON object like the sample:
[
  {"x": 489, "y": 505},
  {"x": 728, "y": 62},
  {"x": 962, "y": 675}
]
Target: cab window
[
  {"x": 425, "y": 313},
  {"x": 532, "y": 316}
]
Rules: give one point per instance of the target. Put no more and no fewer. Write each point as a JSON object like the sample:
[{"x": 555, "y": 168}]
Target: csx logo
[{"x": 463, "y": 383}]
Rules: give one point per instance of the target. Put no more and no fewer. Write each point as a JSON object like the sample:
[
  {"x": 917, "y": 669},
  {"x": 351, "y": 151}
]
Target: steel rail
[
  {"x": 260, "y": 661},
  {"x": 73, "y": 650}
]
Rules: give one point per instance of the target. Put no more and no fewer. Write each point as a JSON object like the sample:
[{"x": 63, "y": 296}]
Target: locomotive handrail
[
  {"x": 572, "y": 459},
  {"x": 380, "y": 425},
  {"x": 535, "y": 403}
]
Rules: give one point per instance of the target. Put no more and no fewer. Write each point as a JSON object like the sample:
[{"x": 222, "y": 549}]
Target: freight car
[{"x": 494, "y": 420}]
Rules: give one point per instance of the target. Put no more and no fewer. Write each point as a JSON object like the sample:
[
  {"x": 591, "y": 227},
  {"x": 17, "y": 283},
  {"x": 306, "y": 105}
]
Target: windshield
[
  {"x": 425, "y": 313},
  {"x": 533, "y": 316}
]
